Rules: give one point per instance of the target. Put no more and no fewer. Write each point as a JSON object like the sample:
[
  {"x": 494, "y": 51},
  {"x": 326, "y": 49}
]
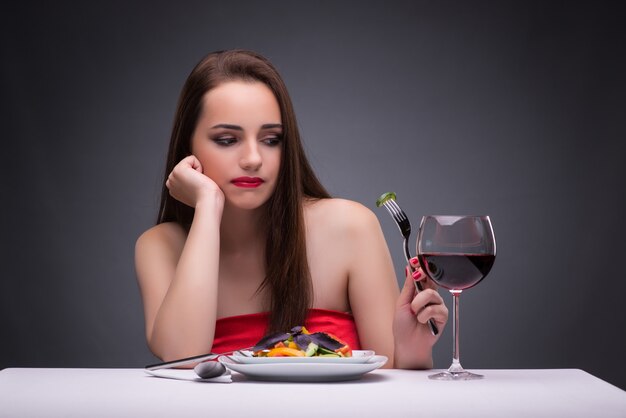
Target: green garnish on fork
[{"x": 385, "y": 197}]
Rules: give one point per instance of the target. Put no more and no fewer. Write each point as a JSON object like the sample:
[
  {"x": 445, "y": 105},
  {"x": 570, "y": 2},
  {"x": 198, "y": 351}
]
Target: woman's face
[{"x": 238, "y": 140}]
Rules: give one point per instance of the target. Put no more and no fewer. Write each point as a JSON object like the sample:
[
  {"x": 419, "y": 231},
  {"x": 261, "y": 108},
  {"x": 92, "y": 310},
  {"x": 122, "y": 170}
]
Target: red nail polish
[
  {"x": 417, "y": 275},
  {"x": 406, "y": 271},
  {"x": 414, "y": 261}
]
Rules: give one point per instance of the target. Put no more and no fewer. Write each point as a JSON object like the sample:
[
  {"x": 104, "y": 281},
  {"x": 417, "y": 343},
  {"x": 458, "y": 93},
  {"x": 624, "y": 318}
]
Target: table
[{"x": 36, "y": 392}]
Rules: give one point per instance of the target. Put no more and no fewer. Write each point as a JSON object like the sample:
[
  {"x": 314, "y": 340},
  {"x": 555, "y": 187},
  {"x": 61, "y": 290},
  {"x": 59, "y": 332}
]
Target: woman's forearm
[{"x": 185, "y": 323}]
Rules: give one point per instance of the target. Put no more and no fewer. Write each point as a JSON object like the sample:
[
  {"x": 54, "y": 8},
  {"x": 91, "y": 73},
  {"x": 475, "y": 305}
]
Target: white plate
[
  {"x": 189, "y": 374},
  {"x": 305, "y": 372},
  {"x": 358, "y": 356}
]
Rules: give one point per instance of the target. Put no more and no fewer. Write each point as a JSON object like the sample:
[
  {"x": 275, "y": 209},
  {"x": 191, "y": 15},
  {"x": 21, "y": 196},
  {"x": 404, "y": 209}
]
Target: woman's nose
[{"x": 251, "y": 158}]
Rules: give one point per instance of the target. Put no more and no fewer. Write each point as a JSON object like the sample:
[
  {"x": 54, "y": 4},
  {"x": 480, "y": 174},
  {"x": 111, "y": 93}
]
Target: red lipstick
[{"x": 247, "y": 182}]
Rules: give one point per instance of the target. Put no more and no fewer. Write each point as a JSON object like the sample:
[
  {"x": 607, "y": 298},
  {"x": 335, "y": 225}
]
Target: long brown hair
[{"x": 287, "y": 274}]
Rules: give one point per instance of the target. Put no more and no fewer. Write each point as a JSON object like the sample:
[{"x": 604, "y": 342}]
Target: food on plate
[{"x": 299, "y": 342}]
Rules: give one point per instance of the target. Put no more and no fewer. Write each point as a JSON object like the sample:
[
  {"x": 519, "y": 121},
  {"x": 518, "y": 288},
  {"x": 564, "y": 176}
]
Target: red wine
[{"x": 456, "y": 271}]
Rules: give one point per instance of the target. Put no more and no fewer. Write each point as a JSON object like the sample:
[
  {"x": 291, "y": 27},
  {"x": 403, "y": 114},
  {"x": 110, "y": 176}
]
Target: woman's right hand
[{"x": 189, "y": 185}]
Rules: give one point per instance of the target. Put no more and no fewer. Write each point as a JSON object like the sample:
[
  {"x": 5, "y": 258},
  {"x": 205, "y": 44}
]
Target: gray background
[{"x": 512, "y": 109}]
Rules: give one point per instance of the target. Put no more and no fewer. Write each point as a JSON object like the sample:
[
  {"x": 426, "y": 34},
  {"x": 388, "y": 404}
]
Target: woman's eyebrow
[
  {"x": 271, "y": 125},
  {"x": 228, "y": 126},
  {"x": 239, "y": 128}
]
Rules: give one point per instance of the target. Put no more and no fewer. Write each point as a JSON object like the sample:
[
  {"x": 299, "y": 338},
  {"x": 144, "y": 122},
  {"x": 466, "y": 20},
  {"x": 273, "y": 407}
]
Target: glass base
[
  {"x": 462, "y": 375},
  {"x": 456, "y": 372}
]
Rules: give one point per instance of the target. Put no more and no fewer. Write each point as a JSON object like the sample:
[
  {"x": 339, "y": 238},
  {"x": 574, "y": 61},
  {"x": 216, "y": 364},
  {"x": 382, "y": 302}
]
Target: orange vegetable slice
[{"x": 285, "y": 352}]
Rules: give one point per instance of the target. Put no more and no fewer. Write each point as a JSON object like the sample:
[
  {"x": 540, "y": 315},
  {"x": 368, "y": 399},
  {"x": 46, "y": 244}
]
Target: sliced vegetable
[
  {"x": 311, "y": 350},
  {"x": 385, "y": 197},
  {"x": 285, "y": 352},
  {"x": 345, "y": 351},
  {"x": 325, "y": 352},
  {"x": 326, "y": 340},
  {"x": 270, "y": 341},
  {"x": 303, "y": 340}
]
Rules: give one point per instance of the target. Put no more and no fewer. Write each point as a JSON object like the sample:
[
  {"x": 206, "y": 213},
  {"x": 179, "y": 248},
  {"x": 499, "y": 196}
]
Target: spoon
[{"x": 209, "y": 369}]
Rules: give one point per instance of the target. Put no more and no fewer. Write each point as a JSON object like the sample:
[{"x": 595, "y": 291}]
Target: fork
[
  {"x": 389, "y": 202},
  {"x": 194, "y": 359}
]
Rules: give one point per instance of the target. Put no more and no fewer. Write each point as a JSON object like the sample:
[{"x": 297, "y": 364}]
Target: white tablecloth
[{"x": 381, "y": 394}]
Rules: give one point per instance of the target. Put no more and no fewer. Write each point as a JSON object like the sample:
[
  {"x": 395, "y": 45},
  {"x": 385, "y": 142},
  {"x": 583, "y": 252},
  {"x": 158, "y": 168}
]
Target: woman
[{"x": 249, "y": 242}]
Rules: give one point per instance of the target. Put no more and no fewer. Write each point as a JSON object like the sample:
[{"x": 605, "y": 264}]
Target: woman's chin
[{"x": 244, "y": 203}]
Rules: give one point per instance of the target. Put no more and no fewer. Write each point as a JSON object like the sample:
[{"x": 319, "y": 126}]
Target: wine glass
[{"x": 456, "y": 252}]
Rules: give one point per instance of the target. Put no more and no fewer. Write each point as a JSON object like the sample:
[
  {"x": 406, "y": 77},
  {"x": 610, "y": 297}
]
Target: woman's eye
[
  {"x": 225, "y": 140},
  {"x": 273, "y": 140}
]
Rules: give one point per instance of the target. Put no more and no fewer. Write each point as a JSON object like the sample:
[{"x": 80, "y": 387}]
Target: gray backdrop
[{"x": 512, "y": 109}]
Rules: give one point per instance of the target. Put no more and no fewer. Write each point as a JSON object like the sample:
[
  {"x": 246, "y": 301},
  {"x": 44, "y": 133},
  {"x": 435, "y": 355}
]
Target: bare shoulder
[
  {"x": 341, "y": 215},
  {"x": 166, "y": 237}
]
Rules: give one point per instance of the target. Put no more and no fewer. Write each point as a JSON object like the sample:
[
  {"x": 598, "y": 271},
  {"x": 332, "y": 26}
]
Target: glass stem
[{"x": 456, "y": 364}]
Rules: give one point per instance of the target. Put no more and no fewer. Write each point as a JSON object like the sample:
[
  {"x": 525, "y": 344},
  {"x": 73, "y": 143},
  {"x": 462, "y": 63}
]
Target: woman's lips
[{"x": 247, "y": 182}]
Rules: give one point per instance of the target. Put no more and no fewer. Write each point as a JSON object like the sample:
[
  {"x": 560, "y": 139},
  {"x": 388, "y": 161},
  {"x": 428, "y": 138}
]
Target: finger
[
  {"x": 418, "y": 274},
  {"x": 426, "y": 298},
  {"x": 188, "y": 160},
  {"x": 195, "y": 163},
  {"x": 408, "y": 290},
  {"x": 429, "y": 284},
  {"x": 424, "y": 280},
  {"x": 438, "y": 313}
]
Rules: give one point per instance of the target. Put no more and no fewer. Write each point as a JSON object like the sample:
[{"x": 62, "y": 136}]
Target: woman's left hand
[{"x": 412, "y": 335}]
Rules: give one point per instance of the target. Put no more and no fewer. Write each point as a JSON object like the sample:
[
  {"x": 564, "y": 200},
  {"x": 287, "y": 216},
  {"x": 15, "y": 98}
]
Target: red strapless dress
[{"x": 236, "y": 332}]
